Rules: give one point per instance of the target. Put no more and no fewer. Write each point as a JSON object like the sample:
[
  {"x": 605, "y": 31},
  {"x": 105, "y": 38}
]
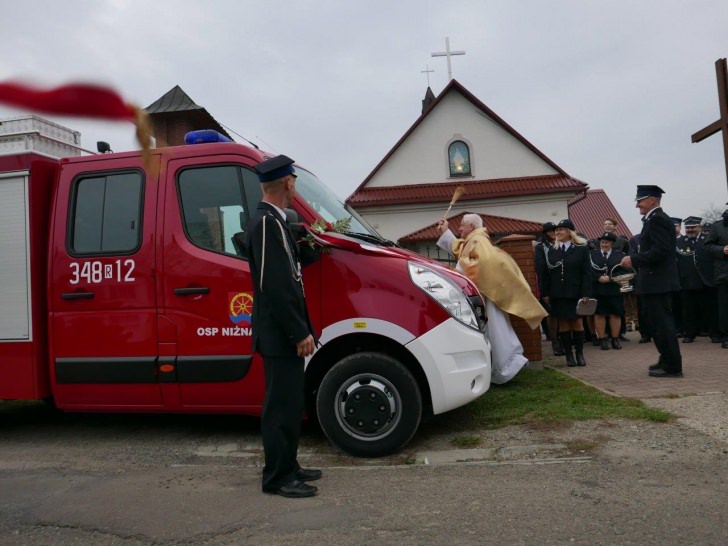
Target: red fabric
[{"x": 68, "y": 100}]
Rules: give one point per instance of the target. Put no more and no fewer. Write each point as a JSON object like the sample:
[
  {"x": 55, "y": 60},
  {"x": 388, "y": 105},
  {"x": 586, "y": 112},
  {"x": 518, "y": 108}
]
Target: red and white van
[{"x": 127, "y": 290}]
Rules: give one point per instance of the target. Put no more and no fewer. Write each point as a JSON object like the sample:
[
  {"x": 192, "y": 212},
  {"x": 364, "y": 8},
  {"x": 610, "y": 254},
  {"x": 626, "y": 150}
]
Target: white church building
[{"x": 459, "y": 141}]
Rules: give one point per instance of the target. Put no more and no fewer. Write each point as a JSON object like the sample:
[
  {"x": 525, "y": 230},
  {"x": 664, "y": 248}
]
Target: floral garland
[{"x": 321, "y": 226}]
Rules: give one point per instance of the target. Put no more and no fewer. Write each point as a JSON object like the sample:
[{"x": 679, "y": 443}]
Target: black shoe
[
  {"x": 570, "y": 362},
  {"x": 688, "y": 339},
  {"x": 645, "y": 339},
  {"x": 308, "y": 474},
  {"x": 294, "y": 490},
  {"x": 557, "y": 348},
  {"x": 724, "y": 344},
  {"x": 654, "y": 367},
  {"x": 596, "y": 342},
  {"x": 615, "y": 344},
  {"x": 715, "y": 339},
  {"x": 623, "y": 338},
  {"x": 663, "y": 373},
  {"x": 605, "y": 344}
]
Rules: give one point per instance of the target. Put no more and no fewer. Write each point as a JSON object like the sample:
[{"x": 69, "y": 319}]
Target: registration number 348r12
[{"x": 95, "y": 272}]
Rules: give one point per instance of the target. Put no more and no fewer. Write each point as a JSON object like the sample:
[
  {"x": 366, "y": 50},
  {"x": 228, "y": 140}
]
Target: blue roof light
[{"x": 204, "y": 136}]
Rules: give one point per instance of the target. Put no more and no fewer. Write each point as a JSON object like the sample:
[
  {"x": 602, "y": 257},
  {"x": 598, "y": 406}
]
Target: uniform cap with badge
[
  {"x": 548, "y": 226},
  {"x": 608, "y": 236},
  {"x": 645, "y": 191},
  {"x": 274, "y": 168},
  {"x": 692, "y": 221},
  {"x": 566, "y": 223}
]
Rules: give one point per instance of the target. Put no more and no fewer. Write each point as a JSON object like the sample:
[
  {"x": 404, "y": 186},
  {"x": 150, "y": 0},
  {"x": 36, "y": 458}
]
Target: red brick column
[{"x": 520, "y": 247}]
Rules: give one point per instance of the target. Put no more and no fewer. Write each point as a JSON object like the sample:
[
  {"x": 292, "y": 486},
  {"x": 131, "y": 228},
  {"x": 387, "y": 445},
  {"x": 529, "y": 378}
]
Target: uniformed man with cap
[
  {"x": 550, "y": 324},
  {"x": 694, "y": 282},
  {"x": 657, "y": 278},
  {"x": 282, "y": 330},
  {"x": 717, "y": 245}
]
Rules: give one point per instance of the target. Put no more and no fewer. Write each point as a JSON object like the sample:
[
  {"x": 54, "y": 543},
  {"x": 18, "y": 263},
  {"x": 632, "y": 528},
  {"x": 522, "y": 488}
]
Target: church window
[{"x": 459, "y": 156}]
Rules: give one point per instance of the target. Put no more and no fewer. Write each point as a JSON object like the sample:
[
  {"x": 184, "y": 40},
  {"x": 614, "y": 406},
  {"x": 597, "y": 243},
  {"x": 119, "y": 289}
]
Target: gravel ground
[{"x": 707, "y": 413}]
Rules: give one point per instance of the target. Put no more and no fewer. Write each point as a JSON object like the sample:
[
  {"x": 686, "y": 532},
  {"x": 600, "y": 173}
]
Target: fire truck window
[
  {"x": 213, "y": 210},
  {"x": 107, "y": 214}
]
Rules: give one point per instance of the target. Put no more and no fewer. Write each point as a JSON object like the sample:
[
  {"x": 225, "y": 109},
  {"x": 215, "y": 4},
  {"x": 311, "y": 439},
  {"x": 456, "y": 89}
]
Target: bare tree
[{"x": 713, "y": 213}]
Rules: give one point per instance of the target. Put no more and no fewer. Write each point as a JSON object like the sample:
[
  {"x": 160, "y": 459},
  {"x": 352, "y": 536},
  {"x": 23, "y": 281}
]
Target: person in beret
[
  {"x": 610, "y": 302},
  {"x": 717, "y": 245},
  {"x": 550, "y": 324},
  {"x": 569, "y": 280},
  {"x": 282, "y": 330},
  {"x": 657, "y": 278}
]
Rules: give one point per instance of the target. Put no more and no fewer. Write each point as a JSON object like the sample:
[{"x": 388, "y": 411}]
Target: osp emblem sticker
[{"x": 240, "y": 308}]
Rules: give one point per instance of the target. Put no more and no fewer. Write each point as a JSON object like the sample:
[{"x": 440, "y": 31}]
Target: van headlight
[{"x": 445, "y": 292}]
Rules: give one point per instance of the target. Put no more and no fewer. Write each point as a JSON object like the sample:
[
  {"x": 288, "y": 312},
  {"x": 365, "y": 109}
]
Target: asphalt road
[{"x": 133, "y": 480}]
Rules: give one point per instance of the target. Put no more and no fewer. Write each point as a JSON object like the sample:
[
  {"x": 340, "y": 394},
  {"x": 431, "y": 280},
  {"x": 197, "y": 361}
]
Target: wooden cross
[
  {"x": 447, "y": 53},
  {"x": 721, "y": 71}
]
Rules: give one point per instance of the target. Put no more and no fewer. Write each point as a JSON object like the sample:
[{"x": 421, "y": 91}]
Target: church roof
[
  {"x": 457, "y": 87},
  {"x": 589, "y": 210},
  {"x": 474, "y": 190},
  {"x": 174, "y": 100},
  {"x": 498, "y": 226}
]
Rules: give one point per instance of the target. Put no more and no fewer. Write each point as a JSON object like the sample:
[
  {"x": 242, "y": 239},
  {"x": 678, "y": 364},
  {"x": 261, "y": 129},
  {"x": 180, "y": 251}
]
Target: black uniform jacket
[
  {"x": 714, "y": 244},
  {"x": 655, "y": 262},
  {"x": 692, "y": 276},
  {"x": 539, "y": 263},
  {"x": 599, "y": 267},
  {"x": 571, "y": 278},
  {"x": 280, "y": 318}
]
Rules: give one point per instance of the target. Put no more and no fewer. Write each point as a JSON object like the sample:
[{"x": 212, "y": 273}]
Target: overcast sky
[{"x": 610, "y": 90}]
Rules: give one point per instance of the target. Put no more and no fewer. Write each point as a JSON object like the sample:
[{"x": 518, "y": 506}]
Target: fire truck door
[
  {"x": 103, "y": 295},
  {"x": 207, "y": 293}
]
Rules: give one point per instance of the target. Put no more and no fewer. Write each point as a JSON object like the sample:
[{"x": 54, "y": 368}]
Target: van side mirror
[{"x": 103, "y": 147}]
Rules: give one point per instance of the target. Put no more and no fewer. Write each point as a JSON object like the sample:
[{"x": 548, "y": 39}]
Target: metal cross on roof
[
  {"x": 447, "y": 53},
  {"x": 427, "y": 71},
  {"x": 721, "y": 125}
]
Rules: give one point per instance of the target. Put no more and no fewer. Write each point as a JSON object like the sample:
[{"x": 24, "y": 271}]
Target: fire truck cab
[{"x": 127, "y": 289}]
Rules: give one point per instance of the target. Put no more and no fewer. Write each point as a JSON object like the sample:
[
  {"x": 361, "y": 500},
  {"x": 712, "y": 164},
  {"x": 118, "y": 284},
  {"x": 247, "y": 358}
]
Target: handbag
[{"x": 586, "y": 309}]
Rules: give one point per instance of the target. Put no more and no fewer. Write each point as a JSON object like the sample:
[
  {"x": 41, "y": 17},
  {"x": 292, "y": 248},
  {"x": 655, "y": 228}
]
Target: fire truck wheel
[{"x": 369, "y": 405}]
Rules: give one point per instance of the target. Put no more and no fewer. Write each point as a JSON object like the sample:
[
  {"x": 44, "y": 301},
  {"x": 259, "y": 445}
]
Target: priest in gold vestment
[{"x": 503, "y": 287}]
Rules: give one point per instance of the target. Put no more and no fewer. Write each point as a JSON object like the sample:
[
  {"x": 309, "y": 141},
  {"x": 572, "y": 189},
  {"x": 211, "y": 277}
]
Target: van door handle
[
  {"x": 189, "y": 291},
  {"x": 77, "y": 295}
]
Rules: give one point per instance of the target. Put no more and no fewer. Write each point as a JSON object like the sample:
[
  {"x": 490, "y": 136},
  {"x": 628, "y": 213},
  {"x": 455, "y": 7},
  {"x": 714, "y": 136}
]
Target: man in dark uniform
[
  {"x": 657, "y": 278},
  {"x": 677, "y": 312},
  {"x": 717, "y": 245},
  {"x": 695, "y": 282},
  {"x": 550, "y": 324},
  {"x": 282, "y": 330}
]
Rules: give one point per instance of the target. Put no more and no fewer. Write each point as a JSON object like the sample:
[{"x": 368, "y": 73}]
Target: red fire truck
[{"x": 125, "y": 289}]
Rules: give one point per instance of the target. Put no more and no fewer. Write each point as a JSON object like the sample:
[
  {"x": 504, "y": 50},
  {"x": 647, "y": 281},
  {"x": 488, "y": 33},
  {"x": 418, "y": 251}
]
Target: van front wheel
[{"x": 369, "y": 404}]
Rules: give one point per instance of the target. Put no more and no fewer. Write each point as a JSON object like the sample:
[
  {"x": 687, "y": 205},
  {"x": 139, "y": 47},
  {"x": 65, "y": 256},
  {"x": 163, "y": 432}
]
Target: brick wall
[
  {"x": 520, "y": 247},
  {"x": 171, "y": 130}
]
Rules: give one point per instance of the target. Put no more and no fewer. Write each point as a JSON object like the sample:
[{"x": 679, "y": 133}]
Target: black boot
[
  {"x": 605, "y": 344},
  {"x": 565, "y": 338},
  {"x": 616, "y": 344},
  {"x": 579, "y": 346},
  {"x": 557, "y": 348}
]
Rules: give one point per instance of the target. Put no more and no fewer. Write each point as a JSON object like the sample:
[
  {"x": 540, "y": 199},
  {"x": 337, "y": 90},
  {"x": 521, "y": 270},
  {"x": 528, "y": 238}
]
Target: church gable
[{"x": 458, "y": 138}]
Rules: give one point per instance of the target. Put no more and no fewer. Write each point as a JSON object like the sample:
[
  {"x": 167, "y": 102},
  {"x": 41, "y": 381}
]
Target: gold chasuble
[{"x": 497, "y": 276}]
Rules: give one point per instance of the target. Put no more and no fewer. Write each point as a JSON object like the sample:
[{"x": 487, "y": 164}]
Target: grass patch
[
  {"x": 466, "y": 441},
  {"x": 545, "y": 397}
]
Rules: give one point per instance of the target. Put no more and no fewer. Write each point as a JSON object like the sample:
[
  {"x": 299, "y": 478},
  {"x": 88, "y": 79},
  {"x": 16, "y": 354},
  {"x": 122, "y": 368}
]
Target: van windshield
[{"x": 327, "y": 204}]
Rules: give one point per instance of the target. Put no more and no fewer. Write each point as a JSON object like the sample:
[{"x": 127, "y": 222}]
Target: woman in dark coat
[
  {"x": 569, "y": 280},
  {"x": 610, "y": 301}
]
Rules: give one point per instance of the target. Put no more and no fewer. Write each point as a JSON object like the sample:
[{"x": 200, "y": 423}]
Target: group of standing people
[{"x": 663, "y": 264}]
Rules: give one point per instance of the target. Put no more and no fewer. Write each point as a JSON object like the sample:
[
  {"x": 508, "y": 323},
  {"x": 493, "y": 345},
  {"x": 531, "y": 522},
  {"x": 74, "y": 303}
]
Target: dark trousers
[
  {"x": 645, "y": 330},
  {"x": 696, "y": 308},
  {"x": 281, "y": 419},
  {"x": 658, "y": 309},
  {"x": 723, "y": 310}
]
